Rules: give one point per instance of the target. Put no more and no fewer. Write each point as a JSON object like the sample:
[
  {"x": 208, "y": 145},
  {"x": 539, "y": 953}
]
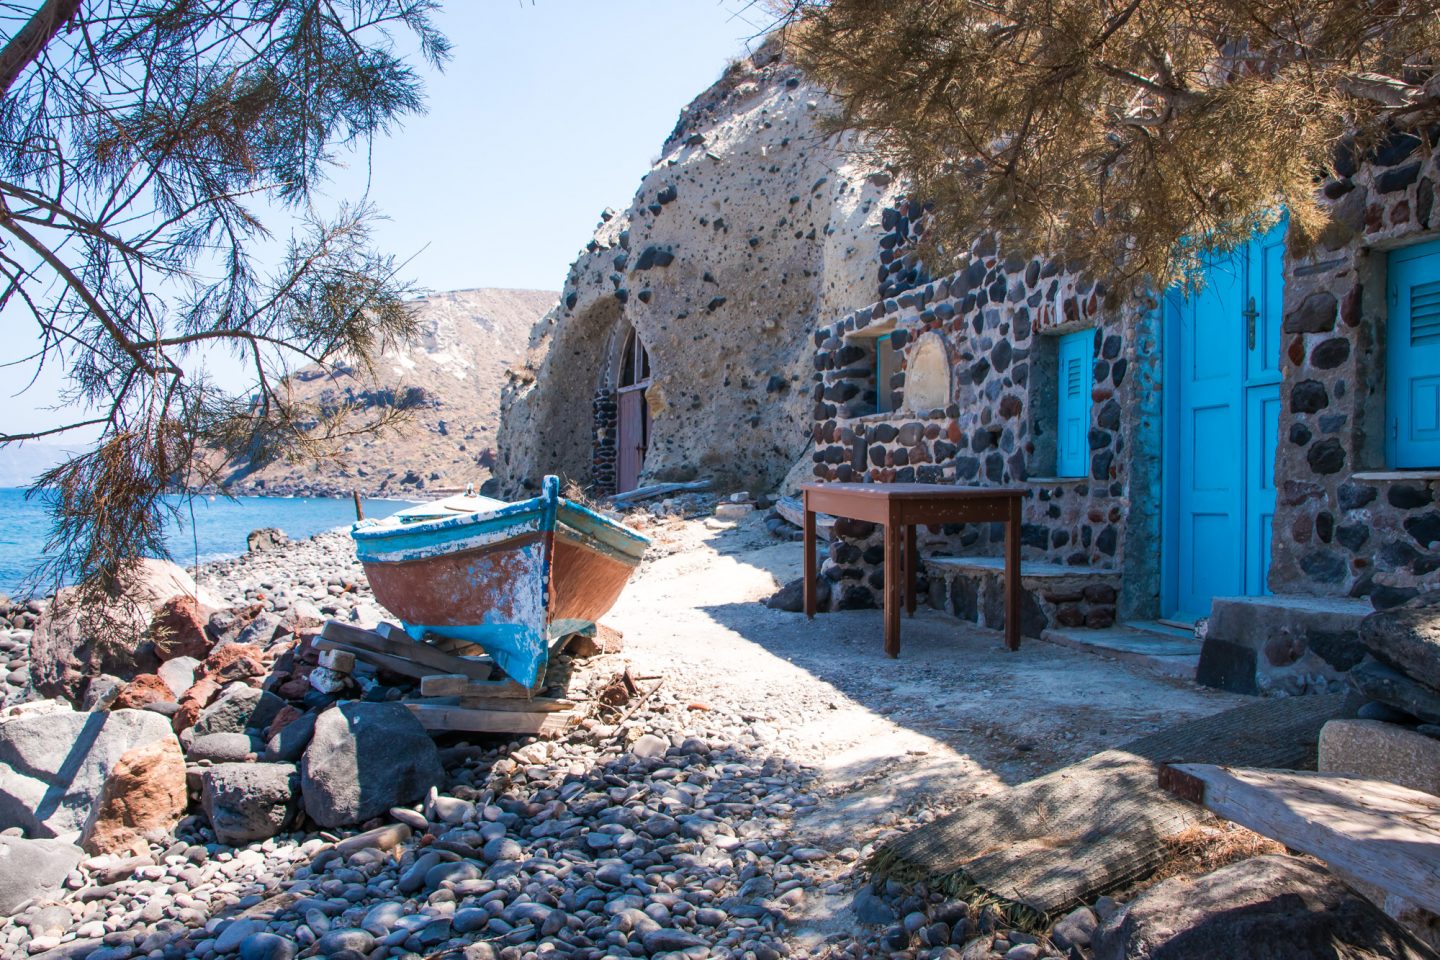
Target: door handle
[{"x": 1250, "y": 314}]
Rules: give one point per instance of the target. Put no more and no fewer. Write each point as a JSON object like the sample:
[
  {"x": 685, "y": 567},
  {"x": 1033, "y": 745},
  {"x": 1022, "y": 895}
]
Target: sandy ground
[{"x": 895, "y": 742}]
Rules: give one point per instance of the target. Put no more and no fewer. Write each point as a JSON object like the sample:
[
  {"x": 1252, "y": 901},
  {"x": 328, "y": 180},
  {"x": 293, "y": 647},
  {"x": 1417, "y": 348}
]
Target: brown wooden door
[
  {"x": 634, "y": 426},
  {"x": 633, "y": 434}
]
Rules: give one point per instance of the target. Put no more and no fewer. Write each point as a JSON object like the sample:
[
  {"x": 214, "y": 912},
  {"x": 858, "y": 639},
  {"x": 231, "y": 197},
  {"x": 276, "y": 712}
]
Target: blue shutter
[
  {"x": 1072, "y": 442},
  {"x": 1413, "y": 357}
]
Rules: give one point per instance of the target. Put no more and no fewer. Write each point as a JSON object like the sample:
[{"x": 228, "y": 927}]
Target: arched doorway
[{"x": 633, "y": 413}]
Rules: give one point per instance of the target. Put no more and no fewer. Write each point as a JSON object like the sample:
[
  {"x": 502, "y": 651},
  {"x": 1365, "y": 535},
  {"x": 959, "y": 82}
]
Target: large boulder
[
  {"x": 142, "y": 801},
  {"x": 33, "y": 868},
  {"x": 363, "y": 759},
  {"x": 53, "y": 766},
  {"x": 81, "y": 636},
  {"x": 249, "y": 801},
  {"x": 1408, "y": 638},
  {"x": 1266, "y": 908}
]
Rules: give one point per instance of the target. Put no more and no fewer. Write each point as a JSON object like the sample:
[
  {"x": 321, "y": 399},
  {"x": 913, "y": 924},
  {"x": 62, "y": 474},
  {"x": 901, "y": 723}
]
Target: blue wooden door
[
  {"x": 1412, "y": 401},
  {"x": 1226, "y": 377}
]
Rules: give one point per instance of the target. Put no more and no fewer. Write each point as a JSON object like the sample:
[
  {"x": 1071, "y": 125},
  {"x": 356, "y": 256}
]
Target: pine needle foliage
[
  {"x": 1123, "y": 136},
  {"x": 143, "y": 146}
]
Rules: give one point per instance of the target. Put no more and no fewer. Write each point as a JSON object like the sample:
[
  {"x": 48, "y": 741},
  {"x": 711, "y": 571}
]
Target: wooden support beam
[
  {"x": 386, "y": 662},
  {"x": 400, "y": 645},
  {"x": 1380, "y": 832},
  {"x": 436, "y": 717},
  {"x": 459, "y": 685}
]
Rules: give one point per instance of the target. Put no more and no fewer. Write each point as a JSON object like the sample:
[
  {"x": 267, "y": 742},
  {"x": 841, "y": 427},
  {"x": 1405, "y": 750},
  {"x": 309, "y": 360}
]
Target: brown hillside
[{"x": 457, "y": 362}]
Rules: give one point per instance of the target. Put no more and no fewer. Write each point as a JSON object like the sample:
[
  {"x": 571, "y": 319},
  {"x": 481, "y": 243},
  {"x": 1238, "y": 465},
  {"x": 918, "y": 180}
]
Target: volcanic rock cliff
[
  {"x": 753, "y": 226},
  {"x": 449, "y": 377}
]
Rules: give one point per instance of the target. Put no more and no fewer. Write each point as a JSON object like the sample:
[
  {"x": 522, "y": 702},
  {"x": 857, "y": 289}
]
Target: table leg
[
  {"x": 809, "y": 571},
  {"x": 892, "y": 589},
  {"x": 912, "y": 568},
  {"x": 1012, "y": 577}
]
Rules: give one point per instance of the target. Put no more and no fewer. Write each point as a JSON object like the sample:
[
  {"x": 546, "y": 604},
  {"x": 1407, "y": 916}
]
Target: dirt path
[{"x": 896, "y": 742}]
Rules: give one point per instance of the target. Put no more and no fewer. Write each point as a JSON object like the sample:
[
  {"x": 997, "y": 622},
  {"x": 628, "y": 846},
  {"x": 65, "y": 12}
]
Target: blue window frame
[
  {"x": 1076, "y": 371},
  {"x": 886, "y": 364},
  {"x": 1412, "y": 403}
]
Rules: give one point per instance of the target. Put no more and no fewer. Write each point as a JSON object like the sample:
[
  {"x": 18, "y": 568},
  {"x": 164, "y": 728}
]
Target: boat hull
[{"x": 499, "y": 578}]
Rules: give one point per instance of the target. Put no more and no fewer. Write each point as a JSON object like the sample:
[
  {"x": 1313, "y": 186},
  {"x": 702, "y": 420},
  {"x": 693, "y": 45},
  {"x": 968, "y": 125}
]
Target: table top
[{"x": 914, "y": 491}]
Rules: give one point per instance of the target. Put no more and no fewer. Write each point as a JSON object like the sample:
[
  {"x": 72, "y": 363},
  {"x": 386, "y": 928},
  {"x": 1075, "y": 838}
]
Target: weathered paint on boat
[{"x": 499, "y": 576}]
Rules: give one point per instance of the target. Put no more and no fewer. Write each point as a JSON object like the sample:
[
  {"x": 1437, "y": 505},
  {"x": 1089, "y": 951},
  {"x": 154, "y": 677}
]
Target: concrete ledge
[
  {"x": 1170, "y": 656},
  {"x": 1288, "y": 643},
  {"x": 1381, "y": 751}
]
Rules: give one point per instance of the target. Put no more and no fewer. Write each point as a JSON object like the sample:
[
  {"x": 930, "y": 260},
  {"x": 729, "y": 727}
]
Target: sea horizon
[{"x": 221, "y": 526}]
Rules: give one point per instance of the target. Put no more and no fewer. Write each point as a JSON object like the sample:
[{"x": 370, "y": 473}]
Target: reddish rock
[
  {"x": 178, "y": 629},
  {"x": 238, "y": 661},
  {"x": 142, "y": 800},
  {"x": 197, "y": 698},
  {"x": 283, "y": 719},
  {"x": 294, "y": 688},
  {"x": 144, "y": 689}
]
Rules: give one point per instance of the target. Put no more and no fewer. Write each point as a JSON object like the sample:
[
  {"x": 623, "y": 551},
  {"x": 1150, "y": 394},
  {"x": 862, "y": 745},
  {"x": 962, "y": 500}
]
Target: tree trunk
[{"x": 32, "y": 39}]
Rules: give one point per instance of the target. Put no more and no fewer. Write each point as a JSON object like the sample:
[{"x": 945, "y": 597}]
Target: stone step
[
  {"x": 1164, "y": 628},
  {"x": 1288, "y": 643},
  {"x": 1171, "y": 656}
]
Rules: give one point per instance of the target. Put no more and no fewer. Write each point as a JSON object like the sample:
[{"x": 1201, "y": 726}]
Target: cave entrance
[{"x": 633, "y": 413}]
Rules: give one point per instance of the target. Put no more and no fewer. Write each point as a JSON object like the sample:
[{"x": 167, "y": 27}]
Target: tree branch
[{"x": 27, "y": 45}]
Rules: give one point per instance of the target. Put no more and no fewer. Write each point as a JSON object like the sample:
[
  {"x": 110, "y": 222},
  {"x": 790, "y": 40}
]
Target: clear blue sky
[{"x": 548, "y": 112}]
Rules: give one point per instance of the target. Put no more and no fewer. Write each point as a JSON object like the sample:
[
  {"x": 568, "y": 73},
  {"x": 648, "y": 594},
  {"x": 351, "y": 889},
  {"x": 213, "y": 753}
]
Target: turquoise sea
[{"x": 219, "y": 530}]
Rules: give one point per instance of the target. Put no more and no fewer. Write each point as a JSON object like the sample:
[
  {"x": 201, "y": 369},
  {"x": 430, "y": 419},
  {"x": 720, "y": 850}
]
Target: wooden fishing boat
[{"x": 498, "y": 574}]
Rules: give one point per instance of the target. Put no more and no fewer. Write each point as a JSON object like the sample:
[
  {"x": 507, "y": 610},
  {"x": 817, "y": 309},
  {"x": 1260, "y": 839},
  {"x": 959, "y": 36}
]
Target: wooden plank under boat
[{"x": 497, "y": 574}]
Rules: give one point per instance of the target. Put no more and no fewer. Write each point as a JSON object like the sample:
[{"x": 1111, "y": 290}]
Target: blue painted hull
[{"x": 499, "y": 576}]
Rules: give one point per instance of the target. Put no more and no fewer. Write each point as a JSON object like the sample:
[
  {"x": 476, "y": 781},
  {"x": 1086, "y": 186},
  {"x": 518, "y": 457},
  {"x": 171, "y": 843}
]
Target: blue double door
[{"x": 1223, "y": 345}]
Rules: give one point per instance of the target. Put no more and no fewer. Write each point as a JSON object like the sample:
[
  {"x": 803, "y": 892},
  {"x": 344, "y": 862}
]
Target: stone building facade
[{"x": 1339, "y": 525}]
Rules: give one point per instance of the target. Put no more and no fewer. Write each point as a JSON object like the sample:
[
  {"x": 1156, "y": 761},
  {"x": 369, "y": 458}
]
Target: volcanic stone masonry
[
  {"x": 994, "y": 320},
  {"x": 1345, "y": 525}
]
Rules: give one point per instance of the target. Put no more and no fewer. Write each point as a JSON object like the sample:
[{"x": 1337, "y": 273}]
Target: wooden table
[{"x": 899, "y": 507}]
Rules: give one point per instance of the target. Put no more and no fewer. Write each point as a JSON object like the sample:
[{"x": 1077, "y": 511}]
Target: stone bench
[{"x": 1052, "y": 594}]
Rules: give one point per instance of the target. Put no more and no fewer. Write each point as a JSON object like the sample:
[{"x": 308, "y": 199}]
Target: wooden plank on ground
[
  {"x": 533, "y": 705},
  {"x": 1381, "y": 832},
  {"x": 658, "y": 490},
  {"x": 793, "y": 510},
  {"x": 459, "y": 685},
  {"x": 1061, "y": 840},
  {"x": 398, "y": 644},
  {"x": 440, "y": 718}
]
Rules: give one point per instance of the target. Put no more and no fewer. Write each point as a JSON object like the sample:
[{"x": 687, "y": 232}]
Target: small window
[
  {"x": 887, "y": 364},
  {"x": 1412, "y": 403},
  {"x": 1072, "y": 440}
]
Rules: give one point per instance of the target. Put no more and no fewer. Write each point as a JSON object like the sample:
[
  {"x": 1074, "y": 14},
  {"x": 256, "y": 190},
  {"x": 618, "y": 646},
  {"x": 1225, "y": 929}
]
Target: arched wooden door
[{"x": 634, "y": 414}]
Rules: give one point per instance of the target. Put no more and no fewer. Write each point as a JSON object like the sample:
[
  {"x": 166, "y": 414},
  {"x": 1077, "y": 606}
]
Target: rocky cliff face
[
  {"x": 751, "y": 227},
  {"x": 450, "y": 375}
]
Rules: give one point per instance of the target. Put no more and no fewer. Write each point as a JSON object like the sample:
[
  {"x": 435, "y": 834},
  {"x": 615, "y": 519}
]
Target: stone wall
[
  {"x": 1344, "y": 523},
  {"x": 750, "y": 228},
  {"x": 998, "y": 318}
]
